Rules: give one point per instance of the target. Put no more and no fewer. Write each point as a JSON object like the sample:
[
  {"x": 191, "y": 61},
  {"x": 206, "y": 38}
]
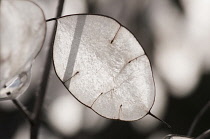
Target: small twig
[
  {"x": 51, "y": 19},
  {"x": 23, "y": 109},
  {"x": 160, "y": 120},
  {"x": 197, "y": 118},
  {"x": 204, "y": 135}
]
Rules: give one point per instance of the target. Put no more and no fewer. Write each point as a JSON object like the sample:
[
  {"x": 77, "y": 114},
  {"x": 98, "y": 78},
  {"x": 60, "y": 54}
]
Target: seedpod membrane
[
  {"x": 103, "y": 65},
  {"x": 176, "y": 137},
  {"x": 22, "y": 29}
]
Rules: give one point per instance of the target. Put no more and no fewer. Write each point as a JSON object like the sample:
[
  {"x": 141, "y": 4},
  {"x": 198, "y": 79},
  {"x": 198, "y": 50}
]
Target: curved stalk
[
  {"x": 197, "y": 118},
  {"x": 44, "y": 82}
]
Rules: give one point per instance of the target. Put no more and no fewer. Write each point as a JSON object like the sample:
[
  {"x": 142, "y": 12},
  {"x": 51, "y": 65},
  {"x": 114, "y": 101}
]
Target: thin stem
[
  {"x": 160, "y": 120},
  {"x": 197, "y": 118},
  {"x": 204, "y": 135},
  {"x": 51, "y": 19},
  {"x": 23, "y": 109},
  {"x": 44, "y": 82}
]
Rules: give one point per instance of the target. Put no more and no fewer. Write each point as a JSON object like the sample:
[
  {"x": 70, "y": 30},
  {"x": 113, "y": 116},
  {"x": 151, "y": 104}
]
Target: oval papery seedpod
[
  {"x": 176, "y": 137},
  {"x": 103, "y": 65},
  {"x": 22, "y": 28}
]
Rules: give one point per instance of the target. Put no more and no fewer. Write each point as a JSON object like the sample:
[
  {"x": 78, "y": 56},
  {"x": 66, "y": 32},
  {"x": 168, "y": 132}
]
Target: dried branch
[{"x": 44, "y": 82}]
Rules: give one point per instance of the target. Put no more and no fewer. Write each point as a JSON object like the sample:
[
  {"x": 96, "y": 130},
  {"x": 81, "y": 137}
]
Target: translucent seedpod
[
  {"x": 176, "y": 137},
  {"x": 103, "y": 65},
  {"x": 22, "y": 29}
]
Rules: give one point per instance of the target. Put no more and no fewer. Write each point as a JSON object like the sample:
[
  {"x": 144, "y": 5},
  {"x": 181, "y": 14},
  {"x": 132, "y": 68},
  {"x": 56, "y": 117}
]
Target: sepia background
[{"x": 175, "y": 34}]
